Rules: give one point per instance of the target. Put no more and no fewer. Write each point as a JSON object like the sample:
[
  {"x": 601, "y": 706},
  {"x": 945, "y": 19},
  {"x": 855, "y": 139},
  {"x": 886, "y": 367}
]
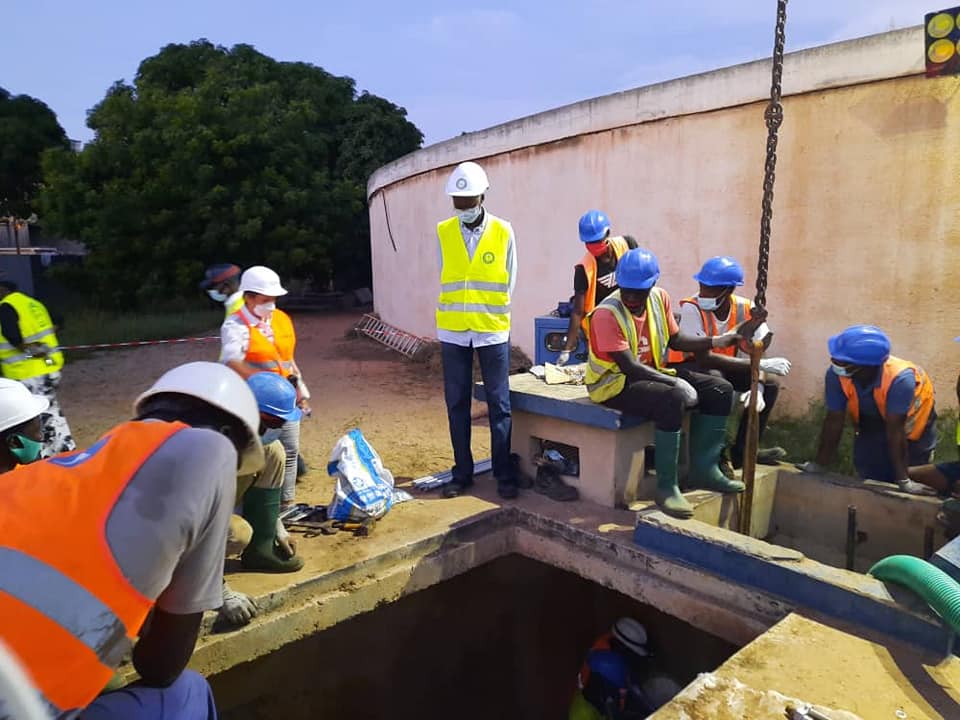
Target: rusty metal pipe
[
  {"x": 851, "y": 536},
  {"x": 753, "y": 440}
]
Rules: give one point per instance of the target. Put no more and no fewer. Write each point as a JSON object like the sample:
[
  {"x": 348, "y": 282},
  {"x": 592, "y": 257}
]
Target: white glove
[
  {"x": 237, "y": 609},
  {"x": 563, "y": 358},
  {"x": 915, "y": 488},
  {"x": 775, "y": 366},
  {"x": 810, "y": 467},
  {"x": 745, "y": 399},
  {"x": 689, "y": 392}
]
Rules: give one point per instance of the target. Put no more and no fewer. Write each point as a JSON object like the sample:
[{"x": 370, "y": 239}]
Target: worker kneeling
[{"x": 630, "y": 333}]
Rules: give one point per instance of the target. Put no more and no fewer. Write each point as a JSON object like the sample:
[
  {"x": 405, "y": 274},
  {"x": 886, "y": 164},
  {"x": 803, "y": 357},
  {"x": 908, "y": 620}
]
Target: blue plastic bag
[{"x": 364, "y": 487}]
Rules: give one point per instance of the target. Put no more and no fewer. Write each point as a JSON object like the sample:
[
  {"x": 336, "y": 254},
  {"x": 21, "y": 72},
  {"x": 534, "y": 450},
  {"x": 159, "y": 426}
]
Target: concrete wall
[{"x": 865, "y": 209}]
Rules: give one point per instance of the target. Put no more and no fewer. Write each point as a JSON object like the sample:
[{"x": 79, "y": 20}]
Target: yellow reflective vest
[
  {"x": 36, "y": 327},
  {"x": 474, "y": 293},
  {"x": 604, "y": 379},
  {"x": 234, "y": 305}
]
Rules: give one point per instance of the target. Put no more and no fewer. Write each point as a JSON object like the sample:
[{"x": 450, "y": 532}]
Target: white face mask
[
  {"x": 264, "y": 310},
  {"x": 217, "y": 296},
  {"x": 470, "y": 215},
  {"x": 709, "y": 304}
]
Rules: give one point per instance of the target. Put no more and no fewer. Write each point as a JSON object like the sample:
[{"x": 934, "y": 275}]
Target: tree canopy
[
  {"x": 27, "y": 128},
  {"x": 223, "y": 155}
]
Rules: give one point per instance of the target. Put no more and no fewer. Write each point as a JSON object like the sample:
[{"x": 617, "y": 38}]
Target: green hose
[{"x": 940, "y": 591}]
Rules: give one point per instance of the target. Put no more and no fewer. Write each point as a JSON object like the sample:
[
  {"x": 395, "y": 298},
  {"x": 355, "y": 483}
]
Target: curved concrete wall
[{"x": 865, "y": 209}]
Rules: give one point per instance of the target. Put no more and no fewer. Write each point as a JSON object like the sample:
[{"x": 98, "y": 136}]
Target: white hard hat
[
  {"x": 262, "y": 280},
  {"x": 632, "y": 634},
  {"x": 18, "y": 405},
  {"x": 222, "y": 388},
  {"x": 467, "y": 180}
]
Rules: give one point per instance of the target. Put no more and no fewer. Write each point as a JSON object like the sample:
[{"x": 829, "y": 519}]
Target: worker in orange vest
[
  {"x": 595, "y": 276},
  {"x": 259, "y": 337},
  {"x": 120, "y": 546},
  {"x": 890, "y": 402}
]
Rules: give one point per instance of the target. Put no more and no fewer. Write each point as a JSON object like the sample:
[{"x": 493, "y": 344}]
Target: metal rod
[
  {"x": 928, "y": 542},
  {"x": 851, "y": 535},
  {"x": 753, "y": 440}
]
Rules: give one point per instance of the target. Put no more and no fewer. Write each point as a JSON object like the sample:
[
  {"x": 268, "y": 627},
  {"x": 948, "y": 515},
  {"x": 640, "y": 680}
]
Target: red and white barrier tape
[{"x": 138, "y": 343}]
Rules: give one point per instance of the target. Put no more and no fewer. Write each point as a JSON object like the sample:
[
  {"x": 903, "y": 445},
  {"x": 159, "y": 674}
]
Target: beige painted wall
[{"x": 865, "y": 213}]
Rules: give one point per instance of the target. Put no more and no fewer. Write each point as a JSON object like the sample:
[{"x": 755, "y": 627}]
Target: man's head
[
  {"x": 859, "y": 351},
  {"x": 594, "y": 227},
  {"x": 277, "y": 401},
  {"x": 210, "y": 395},
  {"x": 21, "y": 429},
  {"x": 637, "y": 272},
  {"x": 718, "y": 278},
  {"x": 467, "y": 186},
  {"x": 7, "y": 287},
  {"x": 629, "y": 637},
  {"x": 261, "y": 287},
  {"x": 221, "y": 281}
]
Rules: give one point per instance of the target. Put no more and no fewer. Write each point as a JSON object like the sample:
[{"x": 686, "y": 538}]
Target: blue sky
[{"x": 454, "y": 67}]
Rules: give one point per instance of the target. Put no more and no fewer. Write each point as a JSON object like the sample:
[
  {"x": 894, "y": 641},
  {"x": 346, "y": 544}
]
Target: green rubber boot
[
  {"x": 261, "y": 507},
  {"x": 666, "y": 454},
  {"x": 708, "y": 435}
]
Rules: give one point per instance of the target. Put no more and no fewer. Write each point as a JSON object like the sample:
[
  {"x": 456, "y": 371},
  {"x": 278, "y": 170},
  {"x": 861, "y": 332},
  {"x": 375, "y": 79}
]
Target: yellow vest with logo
[
  {"x": 36, "y": 327},
  {"x": 604, "y": 379},
  {"x": 474, "y": 294}
]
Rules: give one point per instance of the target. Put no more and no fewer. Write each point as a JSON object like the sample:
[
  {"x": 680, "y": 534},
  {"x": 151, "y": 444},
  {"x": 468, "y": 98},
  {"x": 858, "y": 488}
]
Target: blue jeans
[
  {"x": 871, "y": 454},
  {"x": 189, "y": 698},
  {"x": 290, "y": 437},
  {"x": 458, "y": 391}
]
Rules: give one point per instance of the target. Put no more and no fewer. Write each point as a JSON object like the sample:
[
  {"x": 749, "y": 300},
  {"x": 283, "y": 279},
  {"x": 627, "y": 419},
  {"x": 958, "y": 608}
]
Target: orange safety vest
[
  {"x": 740, "y": 308},
  {"x": 589, "y": 263},
  {"x": 276, "y": 356},
  {"x": 66, "y": 609},
  {"x": 920, "y": 408}
]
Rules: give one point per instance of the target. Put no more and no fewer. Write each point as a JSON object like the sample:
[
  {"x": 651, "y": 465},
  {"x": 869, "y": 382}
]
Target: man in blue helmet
[
  {"x": 890, "y": 402},
  {"x": 630, "y": 334},
  {"x": 595, "y": 276},
  {"x": 714, "y": 310}
]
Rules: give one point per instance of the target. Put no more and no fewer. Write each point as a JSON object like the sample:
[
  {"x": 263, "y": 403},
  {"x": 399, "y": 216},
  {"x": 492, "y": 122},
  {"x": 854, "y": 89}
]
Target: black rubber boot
[{"x": 550, "y": 483}]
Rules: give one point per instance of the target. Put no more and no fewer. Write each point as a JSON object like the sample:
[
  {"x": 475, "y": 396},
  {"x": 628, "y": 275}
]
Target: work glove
[
  {"x": 914, "y": 488},
  {"x": 237, "y": 609},
  {"x": 775, "y": 366},
  {"x": 689, "y": 392},
  {"x": 563, "y": 358},
  {"x": 745, "y": 399},
  {"x": 810, "y": 467}
]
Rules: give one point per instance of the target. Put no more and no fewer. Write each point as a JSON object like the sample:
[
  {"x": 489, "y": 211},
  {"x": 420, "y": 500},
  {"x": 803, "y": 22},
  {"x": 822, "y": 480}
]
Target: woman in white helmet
[{"x": 21, "y": 426}]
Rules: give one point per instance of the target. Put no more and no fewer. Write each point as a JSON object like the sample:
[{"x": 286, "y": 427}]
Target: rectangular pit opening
[
  {"x": 503, "y": 640},
  {"x": 569, "y": 453}
]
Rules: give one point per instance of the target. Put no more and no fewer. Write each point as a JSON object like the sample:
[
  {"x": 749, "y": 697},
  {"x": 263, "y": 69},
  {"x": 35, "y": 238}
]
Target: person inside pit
[
  {"x": 21, "y": 426},
  {"x": 595, "y": 276},
  {"x": 618, "y": 679},
  {"x": 125, "y": 540},
  {"x": 260, "y": 337},
  {"x": 891, "y": 404},
  {"x": 714, "y": 310},
  {"x": 629, "y": 334}
]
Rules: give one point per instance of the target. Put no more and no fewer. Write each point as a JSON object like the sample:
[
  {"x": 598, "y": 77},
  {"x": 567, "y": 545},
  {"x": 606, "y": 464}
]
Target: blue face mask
[
  {"x": 840, "y": 370},
  {"x": 217, "y": 296},
  {"x": 470, "y": 215},
  {"x": 270, "y": 435}
]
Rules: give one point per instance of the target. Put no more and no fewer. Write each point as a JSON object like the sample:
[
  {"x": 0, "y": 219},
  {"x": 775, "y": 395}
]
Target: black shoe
[
  {"x": 550, "y": 483},
  {"x": 507, "y": 490},
  {"x": 455, "y": 489},
  {"x": 524, "y": 481},
  {"x": 771, "y": 456}
]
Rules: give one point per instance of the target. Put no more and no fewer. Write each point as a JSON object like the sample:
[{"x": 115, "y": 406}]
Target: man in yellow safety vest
[
  {"x": 478, "y": 269},
  {"x": 222, "y": 283},
  {"x": 29, "y": 354}
]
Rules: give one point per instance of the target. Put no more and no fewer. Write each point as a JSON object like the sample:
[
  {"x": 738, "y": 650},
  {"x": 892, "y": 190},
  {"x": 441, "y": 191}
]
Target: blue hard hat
[
  {"x": 594, "y": 226},
  {"x": 638, "y": 269},
  {"x": 720, "y": 271},
  {"x": 275, "y": 395},
  {"x": 860, "y": 345}
]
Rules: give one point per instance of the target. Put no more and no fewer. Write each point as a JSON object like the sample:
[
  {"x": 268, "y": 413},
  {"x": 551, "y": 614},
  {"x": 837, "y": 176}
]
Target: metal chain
[{"x": 773, "y": 117}]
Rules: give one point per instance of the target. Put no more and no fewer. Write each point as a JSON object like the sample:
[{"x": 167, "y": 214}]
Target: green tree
[
  {"x": 27, "y": 128},
  {"x": 223, "y": 155}
]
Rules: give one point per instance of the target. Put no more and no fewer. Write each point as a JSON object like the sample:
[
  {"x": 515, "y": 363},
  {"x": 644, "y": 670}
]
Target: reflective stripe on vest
[
  {"x": 474, "y": 292},
  {"x": 66, "y": 609},
  {"x": 589, "y": 263},
  {"x": 739, "y": 307},
  {"x": 604, "y": 379},
  {"x": 36, "y": 327},
  {"x": 920, "y": 409},
  {"x": 276, "y": 356}
]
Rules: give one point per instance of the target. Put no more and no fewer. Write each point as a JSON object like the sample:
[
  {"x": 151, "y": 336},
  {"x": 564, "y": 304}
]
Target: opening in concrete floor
[{"x": 503, "y": 640}]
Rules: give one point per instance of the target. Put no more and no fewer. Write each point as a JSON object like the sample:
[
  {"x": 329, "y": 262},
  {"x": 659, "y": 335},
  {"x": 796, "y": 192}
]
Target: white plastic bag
[{"x": 364, "y": 487}]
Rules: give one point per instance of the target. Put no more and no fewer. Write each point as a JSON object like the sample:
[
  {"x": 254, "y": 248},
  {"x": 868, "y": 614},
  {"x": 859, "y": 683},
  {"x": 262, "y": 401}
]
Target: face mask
[
  {"x": 263, "y": 310},
  {"x": 840, "y": 370},
  {"x": 270, "y": 435},
  {"x": 597, "y": 249},
  {"x": 705, "y": 303},
  {"x": 29, "y": 452},
  {"x": 470, "y": 215},
  {"x": 217, "y": 296}
]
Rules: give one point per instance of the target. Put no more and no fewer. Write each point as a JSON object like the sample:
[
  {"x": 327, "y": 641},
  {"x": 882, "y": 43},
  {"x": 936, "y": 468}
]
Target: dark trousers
[
  {"x": 664, "y": 404},
  {"x": 458, "y": 391}
]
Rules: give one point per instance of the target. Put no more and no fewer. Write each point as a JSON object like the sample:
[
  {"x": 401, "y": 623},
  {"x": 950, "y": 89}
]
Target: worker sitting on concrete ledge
[
  {"x": 595, "y": 276},
  {"x": 618, "y": 680},
  {"x": 716, "y": 309},
  {"x": 890, "y": 402},
  {"x": 126, "y": 539},
  {"x": 630, "y": 333}
]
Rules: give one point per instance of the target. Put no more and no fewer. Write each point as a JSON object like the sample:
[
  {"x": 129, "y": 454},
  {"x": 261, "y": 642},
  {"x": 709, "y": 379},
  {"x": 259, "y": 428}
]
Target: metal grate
[{"x": 394, "y": 338}]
